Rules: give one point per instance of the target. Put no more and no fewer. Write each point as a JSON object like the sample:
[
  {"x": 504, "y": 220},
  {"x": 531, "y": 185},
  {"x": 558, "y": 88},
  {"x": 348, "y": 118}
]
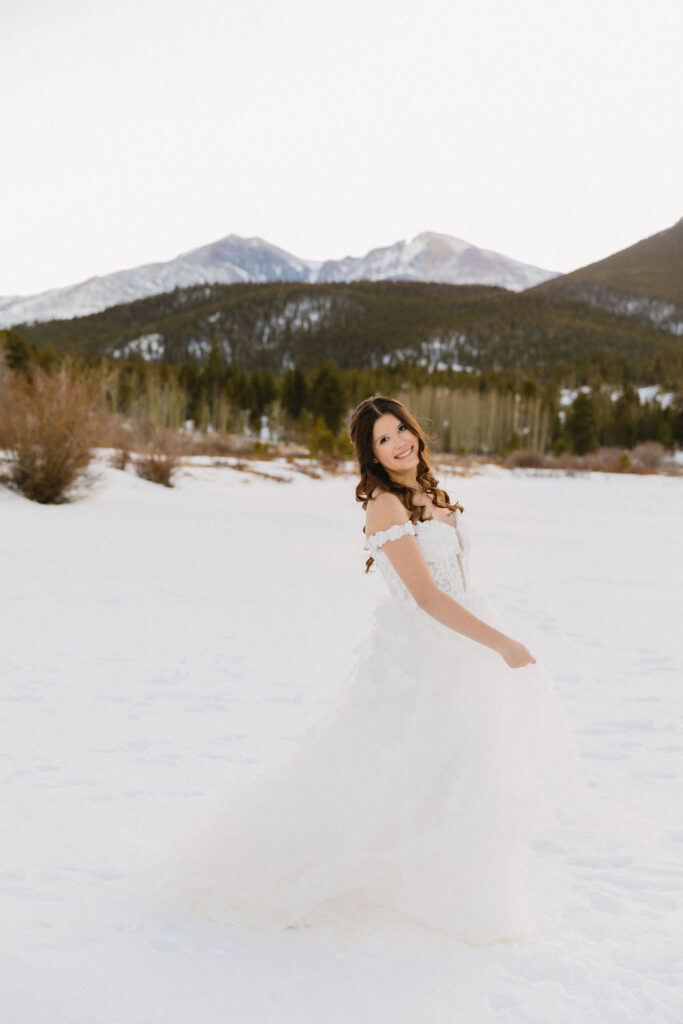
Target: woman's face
[{"x": 394, "y": 445}]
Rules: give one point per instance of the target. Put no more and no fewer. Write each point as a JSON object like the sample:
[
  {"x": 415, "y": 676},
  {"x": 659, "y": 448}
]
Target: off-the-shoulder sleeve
[{"x": 375, "y": 540}]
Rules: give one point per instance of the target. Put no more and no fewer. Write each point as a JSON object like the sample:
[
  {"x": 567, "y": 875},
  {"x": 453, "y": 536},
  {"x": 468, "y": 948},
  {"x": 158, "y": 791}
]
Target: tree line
[
  {"x": 377, "y": 324},
  {"x": 493, "y": 411}
]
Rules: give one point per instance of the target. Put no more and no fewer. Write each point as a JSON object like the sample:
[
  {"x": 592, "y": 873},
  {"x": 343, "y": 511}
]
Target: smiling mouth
[{"x": 406, "y": 454}]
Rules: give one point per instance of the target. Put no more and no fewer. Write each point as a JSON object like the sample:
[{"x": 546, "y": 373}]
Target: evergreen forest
[{"x": 486, "y": 369}]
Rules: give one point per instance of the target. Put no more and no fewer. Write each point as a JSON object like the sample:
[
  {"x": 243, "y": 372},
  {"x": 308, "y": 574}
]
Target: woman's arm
[{"x": 404, "y": 554}]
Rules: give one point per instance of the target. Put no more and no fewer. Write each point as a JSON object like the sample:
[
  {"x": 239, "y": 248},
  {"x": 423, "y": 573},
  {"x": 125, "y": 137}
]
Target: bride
[
  {"x": 392, "y": 455},
  {"x": 412, "y": 802}
]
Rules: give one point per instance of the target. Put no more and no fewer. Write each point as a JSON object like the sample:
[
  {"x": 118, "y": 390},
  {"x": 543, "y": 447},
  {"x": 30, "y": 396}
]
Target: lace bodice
[{"x": 445, "y": 548}]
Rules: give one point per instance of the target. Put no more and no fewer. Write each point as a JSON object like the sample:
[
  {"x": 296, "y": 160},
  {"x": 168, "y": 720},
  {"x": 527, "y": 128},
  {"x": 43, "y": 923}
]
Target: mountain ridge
[
  {"x": 643, "y": 281},
  {"x": 428, "y": 257},
  {"x": 369, "y": 324}
]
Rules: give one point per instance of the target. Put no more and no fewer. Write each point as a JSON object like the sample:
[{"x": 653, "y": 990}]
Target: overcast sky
[{"x": 547, "y": 130}]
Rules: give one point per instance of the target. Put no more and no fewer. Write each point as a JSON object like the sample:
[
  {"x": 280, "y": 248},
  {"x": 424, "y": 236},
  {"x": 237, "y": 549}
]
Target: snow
[
  {"x": 149, "y": 346},
  {"x": 654, "y": 393},
  {"x": 646, "y": 393},
  {"x": 159, "y": 644},
  {"x": 436, "y": 257},
  {"x": 198, "y": 349},
  {"x": 429, "y": 257},
  {"x": 569, "y": 395},
  {"x": 659, "y": 312}
]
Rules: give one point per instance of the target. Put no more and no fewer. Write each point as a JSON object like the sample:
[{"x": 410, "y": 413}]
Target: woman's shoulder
[
  {"x": 384, "y": 510},
  {"x": 384, "y": 499}
]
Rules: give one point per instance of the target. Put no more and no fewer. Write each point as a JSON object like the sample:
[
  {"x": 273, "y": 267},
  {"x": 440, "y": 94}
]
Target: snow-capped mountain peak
[{"x": 429, "y": 256}]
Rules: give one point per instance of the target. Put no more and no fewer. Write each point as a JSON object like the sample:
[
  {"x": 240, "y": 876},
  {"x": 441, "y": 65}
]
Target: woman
[
  {"x": 392, "y": 454},
  {"x": 412, "y": 802}
]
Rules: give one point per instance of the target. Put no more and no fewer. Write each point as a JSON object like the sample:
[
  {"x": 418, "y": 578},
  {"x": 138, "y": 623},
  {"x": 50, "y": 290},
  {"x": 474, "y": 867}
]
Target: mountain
[
  {"x": 232, "y": 260},
  {"x": 644, "y": 281},
  {"x": 438, "y": 258},
  {"x": 369, "y": 325}
]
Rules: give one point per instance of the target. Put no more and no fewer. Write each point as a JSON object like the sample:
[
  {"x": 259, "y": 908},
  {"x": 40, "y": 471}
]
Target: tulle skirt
[{"x": 412, "y": 801}]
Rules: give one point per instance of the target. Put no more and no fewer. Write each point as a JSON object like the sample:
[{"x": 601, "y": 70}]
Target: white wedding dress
[{"x": 413, "y": 800}]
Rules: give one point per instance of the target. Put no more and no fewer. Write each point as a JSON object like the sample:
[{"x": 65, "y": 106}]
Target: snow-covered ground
[{"x": 158, "y": 644}]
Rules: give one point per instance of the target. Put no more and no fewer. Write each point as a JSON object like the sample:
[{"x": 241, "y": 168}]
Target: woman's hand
[{"x": 516, "y": 654}]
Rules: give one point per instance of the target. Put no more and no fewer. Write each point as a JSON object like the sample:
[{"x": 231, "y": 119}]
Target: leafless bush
[
  {"x": 219, "y": 444},
  {"x": 157, "y": 467},
  {"x": 606, "y": 460},
  {"x": 120, "y": 458},
  {"x": 566, "y": 461},
  {"x": 650, "y": 454},
  {"x": 331, "y": 462},
  {"x": 145, "y": 433},
  {"x": 49, "y": 425},
  {"x": 525, "y": 458},
  {"x": 121, "y": 439},
  {"x": 161, "y": 459}
]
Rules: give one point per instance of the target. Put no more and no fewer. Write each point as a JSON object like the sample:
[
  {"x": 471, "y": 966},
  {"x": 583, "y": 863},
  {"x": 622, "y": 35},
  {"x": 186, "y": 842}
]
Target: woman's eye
[{"x": 402, "y": 427}]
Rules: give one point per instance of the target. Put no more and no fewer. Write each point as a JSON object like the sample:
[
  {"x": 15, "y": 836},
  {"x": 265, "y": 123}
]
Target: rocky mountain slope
[
  {"x": 644, "y": 281},
  {"x": 428, "y": 257}
]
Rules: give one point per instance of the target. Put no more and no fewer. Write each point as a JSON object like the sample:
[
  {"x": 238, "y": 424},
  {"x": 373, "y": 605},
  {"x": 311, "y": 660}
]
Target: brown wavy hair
[{"x": 374, "y": 476}]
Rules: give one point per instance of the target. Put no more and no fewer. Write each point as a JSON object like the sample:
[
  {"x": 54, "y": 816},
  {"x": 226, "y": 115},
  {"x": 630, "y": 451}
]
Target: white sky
[{"x": 133, "y": 130}]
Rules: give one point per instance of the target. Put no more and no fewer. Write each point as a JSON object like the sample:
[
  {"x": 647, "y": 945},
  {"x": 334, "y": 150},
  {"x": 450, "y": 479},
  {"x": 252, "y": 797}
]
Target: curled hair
[{"x": 374, "y": 476}]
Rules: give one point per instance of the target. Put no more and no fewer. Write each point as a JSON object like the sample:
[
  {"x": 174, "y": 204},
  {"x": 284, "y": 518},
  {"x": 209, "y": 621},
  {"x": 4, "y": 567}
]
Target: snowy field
[{"x": 158, "y": 644}]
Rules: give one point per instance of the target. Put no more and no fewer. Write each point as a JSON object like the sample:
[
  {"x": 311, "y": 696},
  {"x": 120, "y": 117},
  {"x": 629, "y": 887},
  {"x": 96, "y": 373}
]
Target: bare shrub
[
  {"x": 332, "y": 462},
  {"x": 120, "y": 458},
  {"x": 49, "y": 425},
  {"x": 160, "y": 461},
  {"x": 220, "y": 444},
  {"x": 568, "y": 462},
  {"x": 605, "y": 460},
  {"x": 157, "y": 467},
  {"x": 525, "y": 458},
  {"x": 145, "y": 433},
  {"x": 121, "y": 439},
  {"x": 651, "y": 454}
]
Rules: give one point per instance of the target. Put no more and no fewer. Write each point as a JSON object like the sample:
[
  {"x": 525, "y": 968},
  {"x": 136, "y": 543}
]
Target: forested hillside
[
  {"x": 644, "y": 281},
  {"x": 368, "y": 325}
]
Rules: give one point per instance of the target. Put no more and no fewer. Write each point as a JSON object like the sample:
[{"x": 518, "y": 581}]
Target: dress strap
[{"x": 375, "y": 540}]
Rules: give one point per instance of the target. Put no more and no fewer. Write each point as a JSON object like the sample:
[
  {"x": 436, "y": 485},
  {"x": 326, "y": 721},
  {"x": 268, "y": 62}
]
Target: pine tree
[
  {"x": 214, "y": 372},
  {"x": 47, "y": 358},
  {"x": 581, "y": 425},
  {"x": 294, "y": 393},
  {"x": 328, "y": 395},
  {"x": 189, "y": 378},
  {"x": 263, "y": 394},
  {"x": 624, "y": 430},
  {"x": 239, "y": 387},
  {"x": 18, "y": 352}
]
